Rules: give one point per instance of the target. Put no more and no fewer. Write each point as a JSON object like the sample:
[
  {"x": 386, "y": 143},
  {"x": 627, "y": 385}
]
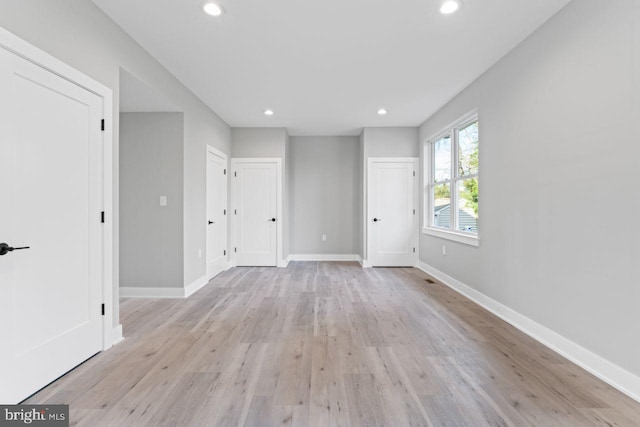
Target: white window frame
[{"x": 428, "y": 228}]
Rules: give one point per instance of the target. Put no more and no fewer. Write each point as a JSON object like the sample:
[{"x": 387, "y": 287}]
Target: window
[{"x": 451, "y": 190}]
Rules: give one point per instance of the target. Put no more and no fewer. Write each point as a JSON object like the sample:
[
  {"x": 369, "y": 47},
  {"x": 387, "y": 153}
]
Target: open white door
[
  {"x": 51, "y": 201},
  {"x": 256, "y": 202},
  {"x": 392, "y": 221},
  {"x": 216, "y": 212}
]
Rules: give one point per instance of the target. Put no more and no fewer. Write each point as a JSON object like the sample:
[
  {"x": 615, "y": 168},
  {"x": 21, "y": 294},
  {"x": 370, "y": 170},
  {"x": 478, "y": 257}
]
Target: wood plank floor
[{"x": 329, "y": 344}]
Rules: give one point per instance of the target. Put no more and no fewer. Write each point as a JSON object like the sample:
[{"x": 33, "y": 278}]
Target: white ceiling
[{"x": 326, "y": 67}]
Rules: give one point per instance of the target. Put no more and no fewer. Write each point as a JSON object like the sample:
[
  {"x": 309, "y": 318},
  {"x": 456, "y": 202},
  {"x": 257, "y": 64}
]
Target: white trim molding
[
  {"x": 614, "y": 375},
  {"x": 279, "y": 204},
  {"x": 464, "y": 238},
  {"x": 284, "y": 263},
  {"x": 144, "y": 292},
  {"x": 116, "y": 335},
  {"x": 371, "y": 254},
  {"x": 324, "y": 257},
  {"x": 24, "y": 49},
  {"x": 176, "y": 293},
  {"x": 195, "y": 286}
]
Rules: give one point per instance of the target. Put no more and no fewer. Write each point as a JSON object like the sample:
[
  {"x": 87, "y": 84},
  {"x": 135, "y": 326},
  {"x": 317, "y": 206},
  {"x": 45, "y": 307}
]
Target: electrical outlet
[
  {"x": 324, "y": 237},
  {"x": 199, "y": 253},
  {"x": 444, "y": 250},
  {"x": 163, "y": 200}
]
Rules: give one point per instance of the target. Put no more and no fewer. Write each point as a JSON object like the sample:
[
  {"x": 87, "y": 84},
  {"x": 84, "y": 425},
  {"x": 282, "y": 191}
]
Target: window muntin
[{"x": 453, "y": 191}]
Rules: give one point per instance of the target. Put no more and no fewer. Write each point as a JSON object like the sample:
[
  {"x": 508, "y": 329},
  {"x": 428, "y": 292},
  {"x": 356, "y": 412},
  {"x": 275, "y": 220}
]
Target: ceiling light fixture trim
[
  {"x": 450, "y": 6},
  {"x": 213, "y": 9}
]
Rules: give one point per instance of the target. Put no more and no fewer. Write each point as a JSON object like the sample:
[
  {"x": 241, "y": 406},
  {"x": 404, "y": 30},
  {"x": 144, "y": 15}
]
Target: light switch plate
[{"x": 163, "y": 200}]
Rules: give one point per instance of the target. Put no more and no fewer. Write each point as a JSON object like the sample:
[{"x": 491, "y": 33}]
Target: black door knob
[
  {"x": 272, "y": 220},
  {"x": 211, "y": 222},
  {"x": 5, "y": 249},
  {"x": 376, "y": 219}
]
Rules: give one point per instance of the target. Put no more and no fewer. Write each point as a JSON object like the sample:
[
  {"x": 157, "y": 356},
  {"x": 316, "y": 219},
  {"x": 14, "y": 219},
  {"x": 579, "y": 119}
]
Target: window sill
[{"x": 452, "y": 235}]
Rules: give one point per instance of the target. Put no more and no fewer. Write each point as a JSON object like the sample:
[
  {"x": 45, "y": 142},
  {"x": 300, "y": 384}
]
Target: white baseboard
[
  {"x": 140, "y": 292},
  {"x": 602, "y": 368},
  {"x": 324, "y": 257},
  {"x": 195, "y": 286},
  {"x": 285, "y": 262},
  {"x": 365, "y": 263},
  {"x": 116, "y": 335},
  {"x": 180, "y": 293}
]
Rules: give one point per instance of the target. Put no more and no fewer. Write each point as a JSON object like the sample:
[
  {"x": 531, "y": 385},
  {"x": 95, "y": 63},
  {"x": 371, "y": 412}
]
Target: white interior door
[
  {"x": 216, "y": 212},
  {"x": 50, "y": 201},
  {"x": 256, "y": 213},
  {"x": 392, "y": 220}
]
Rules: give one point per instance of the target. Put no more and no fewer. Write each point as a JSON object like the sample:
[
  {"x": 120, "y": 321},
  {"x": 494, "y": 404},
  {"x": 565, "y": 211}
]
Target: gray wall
[
  {"x": 558, "y": 197},
  {"x": 151, "y": 165},
  {"x": 259, "y": 142},
  {"x": 81, "y": 35},
  {"x": 324, "y": 188},
  {"x": 390, "y": 142},
  {"x": 383, "y": 142}
]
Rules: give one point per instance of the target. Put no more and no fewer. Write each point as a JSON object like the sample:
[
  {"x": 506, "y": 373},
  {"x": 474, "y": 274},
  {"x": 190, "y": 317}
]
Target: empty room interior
[{"x": 336, "y": 213}]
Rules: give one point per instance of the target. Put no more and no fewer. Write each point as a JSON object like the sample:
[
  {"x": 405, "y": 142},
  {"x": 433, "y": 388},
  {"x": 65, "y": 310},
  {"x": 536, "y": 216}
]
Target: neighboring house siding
[{"x": 442, "y": 217}]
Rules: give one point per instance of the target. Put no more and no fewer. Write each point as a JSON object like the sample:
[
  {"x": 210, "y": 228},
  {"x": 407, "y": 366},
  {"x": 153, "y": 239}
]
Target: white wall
[
  {"x": 383, "y": 142},
  {"x": 559, "y": 202},
  {"x": 81, "y": 35},
  {"x": 324, "y": 185},
  {"x": 151, "y": 165}
]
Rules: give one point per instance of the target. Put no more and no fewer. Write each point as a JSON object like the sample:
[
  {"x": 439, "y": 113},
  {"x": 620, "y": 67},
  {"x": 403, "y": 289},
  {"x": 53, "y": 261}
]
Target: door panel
[
  {"x": 256, "y": 206},
  {"x": 50, "y": 294},
  {"x": 216, "y": 217},
  {"x": 392, "y": 196}
]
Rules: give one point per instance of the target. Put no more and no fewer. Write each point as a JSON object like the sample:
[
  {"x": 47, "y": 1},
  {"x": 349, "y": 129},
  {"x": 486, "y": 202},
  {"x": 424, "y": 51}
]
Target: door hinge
[
  {"x": 414, "y": 173},
  {"x": 225, "y": 172},
  {"x": 414, "y": 211},
  {"x": 102, "y": 217},
  {"x": 235, "y": 174},
  {"x": 224, "y": 212},
  {"x": 102, "y": 125},
  {"x": 103, "y": 309},
  {"x": 235, "y": 250},
  {"x": 414, "y": 250},
  {"x": 235, "y": 212},
  {"x": 224, "y": 252}
]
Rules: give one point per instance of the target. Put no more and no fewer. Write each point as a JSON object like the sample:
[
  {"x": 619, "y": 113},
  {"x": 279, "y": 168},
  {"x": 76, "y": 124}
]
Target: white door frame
[
  {"x": 416, "y": 223},
  {"x": 16, "y": 45},
  {"x": 279, "y": 223},
  {"x": 223, "y": 156}
]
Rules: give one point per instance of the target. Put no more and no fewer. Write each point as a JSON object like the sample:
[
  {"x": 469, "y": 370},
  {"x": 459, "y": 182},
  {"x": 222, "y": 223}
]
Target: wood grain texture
[{"x": 329, "y": 344}]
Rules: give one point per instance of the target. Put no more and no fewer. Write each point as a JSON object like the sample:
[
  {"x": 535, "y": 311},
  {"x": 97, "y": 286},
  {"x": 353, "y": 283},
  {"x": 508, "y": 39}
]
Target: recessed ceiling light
[
  {"x": 268, "y": 112},
  {"x": 382, "y": 111},
  {"x": 213, "y": 9},
  {"x": 450, "y": 6}
]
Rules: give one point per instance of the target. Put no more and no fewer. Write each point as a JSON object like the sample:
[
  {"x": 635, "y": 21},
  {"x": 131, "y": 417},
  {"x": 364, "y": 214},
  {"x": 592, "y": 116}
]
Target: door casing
[
  {"x": 368, "y": 215},
  {"x": 279, "y": 208},
  {"x": 111, "y": 333},
  {"x": 223, "y": 157}
]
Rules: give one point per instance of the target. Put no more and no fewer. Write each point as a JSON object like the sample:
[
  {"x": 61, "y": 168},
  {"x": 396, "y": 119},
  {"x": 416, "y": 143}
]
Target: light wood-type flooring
[{"x": 329, "y": 344}]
